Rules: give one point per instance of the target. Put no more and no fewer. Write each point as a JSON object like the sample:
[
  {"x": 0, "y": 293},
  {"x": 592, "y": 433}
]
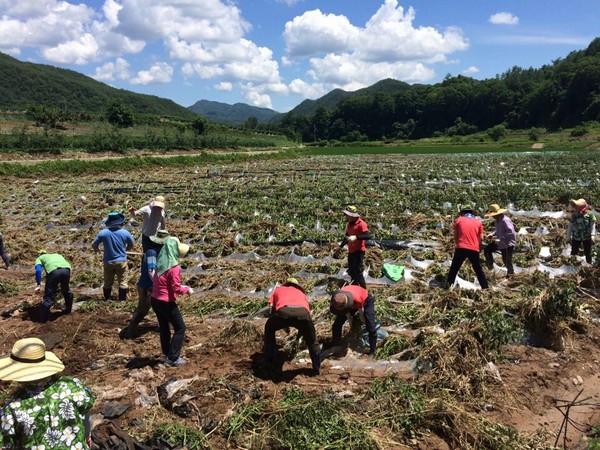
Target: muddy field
[{"x": 460, "y": 368}]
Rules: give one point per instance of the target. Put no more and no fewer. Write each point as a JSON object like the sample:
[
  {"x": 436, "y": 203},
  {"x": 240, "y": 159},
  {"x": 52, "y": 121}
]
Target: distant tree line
[{"x": 562, "y": 95}]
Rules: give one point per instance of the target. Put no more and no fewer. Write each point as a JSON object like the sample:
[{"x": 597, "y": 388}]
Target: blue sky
[{"x": 277, "y": 53}]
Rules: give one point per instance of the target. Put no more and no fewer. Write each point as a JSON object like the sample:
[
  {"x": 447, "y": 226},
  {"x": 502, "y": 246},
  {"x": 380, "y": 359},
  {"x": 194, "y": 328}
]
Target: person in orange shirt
[
  {"x": 347, "y": 301},
  {"x": 290, "y": 308},
  {"x": 468, "y": 234},
  {"x": 357, "y": 233}
]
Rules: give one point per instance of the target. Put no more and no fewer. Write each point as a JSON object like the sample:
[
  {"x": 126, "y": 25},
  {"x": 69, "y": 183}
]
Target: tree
[
  {"x": 251, "y": 123},
  {"x": 199, "y": 125},
  {"x": 120, "y": 114}
]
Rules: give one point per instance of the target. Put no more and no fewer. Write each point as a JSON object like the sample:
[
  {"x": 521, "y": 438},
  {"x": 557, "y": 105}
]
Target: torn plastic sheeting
[
  {"x": 200, "y": 256},
  {"x": 292, "y": 257},
  {"x": 419, "y": 264},
  {"x": 402, "y": 244},
  {"x": 535, "y": 212},
  {"x": 248, "y": 256},
  {"x": 562, "y": 270},
  {"x": 175, "y": 386},
  {"x": 351, "y": 362}
]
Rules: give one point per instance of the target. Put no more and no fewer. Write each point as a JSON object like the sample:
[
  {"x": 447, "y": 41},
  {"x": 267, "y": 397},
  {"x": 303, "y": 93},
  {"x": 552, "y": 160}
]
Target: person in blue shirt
[
  {"x": 144, "y": 286},
  {"x": 116, "y": 241}
]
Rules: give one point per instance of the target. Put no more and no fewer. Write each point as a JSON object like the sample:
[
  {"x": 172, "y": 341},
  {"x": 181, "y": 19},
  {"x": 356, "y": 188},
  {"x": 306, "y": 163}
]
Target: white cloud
[
  {"x": 160, "y": 72},
  {"x": 79, "y": 51},
  {"x": 113, "y": 70},
  {"x": 470, "y": 70},
  {"x": 388, "y": 46},
  {"x": 314, "y": 32},
  {"x": 224, "y": 86},
  {"x": 307, "y": 90},
  {"x": 504, "y": 18},
  {"x": 289, "y": 2}
]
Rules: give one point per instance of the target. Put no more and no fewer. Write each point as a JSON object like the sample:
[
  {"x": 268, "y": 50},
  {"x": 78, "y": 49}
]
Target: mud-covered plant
[
  {"x": 181, "y": 436},
  {"x": 560, "y": 300},
  {"x": 392, "y": 346},
  {"x": 7, "y": 288},
  {"x": 396, "y": 405},
  {"x": 494, "y": 327},
  {"x": 244, "y": 419},
  {"x": 324, "y": 422}
]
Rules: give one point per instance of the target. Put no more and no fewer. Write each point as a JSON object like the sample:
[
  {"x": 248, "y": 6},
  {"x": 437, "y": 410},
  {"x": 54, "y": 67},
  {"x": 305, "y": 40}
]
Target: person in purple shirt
[
  {"x": 503, "y": 239},
  {"x": 116, "y": 241}
]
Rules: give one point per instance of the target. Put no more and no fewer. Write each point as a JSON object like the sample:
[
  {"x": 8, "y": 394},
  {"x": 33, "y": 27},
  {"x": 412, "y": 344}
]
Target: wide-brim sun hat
[
  {"x": 494, "y": 210},
  {"x": 351, "y": 211},
  {"x": 158, "y": 201},
  {"x": 183, "y": 248},
  {"x": 29, "y": 361},
  {"x": 579, "y": 203},
  {"x": 114, "y": 218},
  {"x": 293, "y": 282},
  {"x": 342, "y": 300}
]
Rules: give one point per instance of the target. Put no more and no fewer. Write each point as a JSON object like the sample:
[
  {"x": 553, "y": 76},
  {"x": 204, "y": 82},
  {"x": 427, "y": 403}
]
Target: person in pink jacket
[{"x": 166, "y": 286}]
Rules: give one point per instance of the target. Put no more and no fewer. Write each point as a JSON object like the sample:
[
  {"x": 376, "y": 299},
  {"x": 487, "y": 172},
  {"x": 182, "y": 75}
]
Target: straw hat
[
  {"x": 351, "y": 211},
  {"x": 158, "y": 201},
  {"x": 341, "y": 300},
  {"x": 29, "y": 361},
  {"x": 294, "y": 283},
  {"x": 579, "y": 204},
  {"x": 495, "y": 210},
  {"x": 163, "y": 235}
]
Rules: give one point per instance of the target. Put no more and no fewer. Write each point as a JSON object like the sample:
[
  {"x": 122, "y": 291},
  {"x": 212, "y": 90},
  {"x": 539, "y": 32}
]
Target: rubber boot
[
  {"x": 123, "y": 294},
  {"x": 44, "y": 313},
  {"x": 68, "y": 303},
  {"x": 316, "y": 363},
  {"x": 372, "y": 344},
  {"x": 107, "y": 293}
]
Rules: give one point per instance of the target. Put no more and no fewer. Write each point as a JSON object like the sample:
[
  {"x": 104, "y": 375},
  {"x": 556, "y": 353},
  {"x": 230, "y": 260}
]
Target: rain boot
[
  {"x": 316, "y": 363},
  {"x": 372, "y": 344},
  {"x": 44, "y": 313},
  {"x": 68, "y": 303},
  {"x": 107, "y": 293},
  {"x": 123, "y": 294}
]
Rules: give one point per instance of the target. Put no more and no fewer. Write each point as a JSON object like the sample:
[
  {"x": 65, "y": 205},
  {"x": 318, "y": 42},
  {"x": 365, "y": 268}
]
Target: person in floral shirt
[
  {"x": 48, "y": 411},
  {"x": 582, "y": 228}
]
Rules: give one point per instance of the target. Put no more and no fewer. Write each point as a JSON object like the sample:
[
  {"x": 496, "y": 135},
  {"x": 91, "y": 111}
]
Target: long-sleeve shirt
[
  {"x": 359, "y": 229},
  {"x": 167, "y": 286},
  {"x": 153, "y": 220},
  {"x": 49, "y": 262},
  {"x": 505, "y": 232},
  {"x": 582, "y": 226}
]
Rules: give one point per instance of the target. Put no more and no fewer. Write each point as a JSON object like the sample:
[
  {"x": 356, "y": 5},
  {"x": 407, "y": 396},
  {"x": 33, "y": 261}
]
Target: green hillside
[
  {"x": 23, "y": 83},
  {"x": 236, "y": 114},
  {"x": 333, "y": 98}
]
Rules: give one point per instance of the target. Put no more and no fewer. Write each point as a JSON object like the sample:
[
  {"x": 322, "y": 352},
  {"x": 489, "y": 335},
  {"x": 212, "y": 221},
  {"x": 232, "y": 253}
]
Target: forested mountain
[
  {"x": 333, "y": 98},
  {"x": 236, "y": 114},
  {"x": 23, "y": 84},
  {"x": 563, "y": 94}
]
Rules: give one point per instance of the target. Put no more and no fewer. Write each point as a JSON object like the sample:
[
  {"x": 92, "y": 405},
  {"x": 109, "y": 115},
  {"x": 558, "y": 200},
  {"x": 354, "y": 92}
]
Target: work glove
[
  {"x": 352, "y": 238},
  {"x": 191, "y": 291},
  {"x": 37, "y": 288}
]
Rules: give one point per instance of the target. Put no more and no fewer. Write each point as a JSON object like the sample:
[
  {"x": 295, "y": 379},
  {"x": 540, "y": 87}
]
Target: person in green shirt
[
  {"x": 47, "y": 411},
  {"x": 58, "y": 273}
]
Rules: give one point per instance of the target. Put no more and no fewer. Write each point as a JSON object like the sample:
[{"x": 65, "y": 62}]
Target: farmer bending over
[
  {"x": 290, "y": 308},
  {"x": 58, "y": 272}
]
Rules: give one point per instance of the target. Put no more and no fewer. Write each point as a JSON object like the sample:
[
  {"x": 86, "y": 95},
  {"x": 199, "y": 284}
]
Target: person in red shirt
[
  {"x": 357, "y": 233},
  {"x": 468, "y": 234},
  {"x": 346, "y": 302},
  {"x": 290, "y": 308}
]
